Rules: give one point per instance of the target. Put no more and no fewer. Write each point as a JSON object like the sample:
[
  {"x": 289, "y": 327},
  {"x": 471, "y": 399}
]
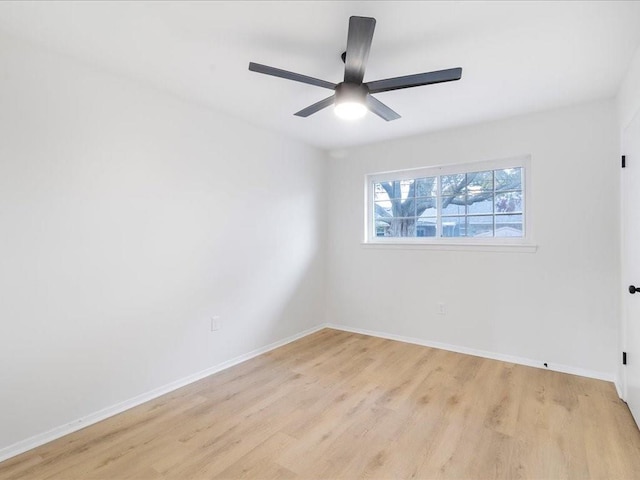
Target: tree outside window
[{"x": 486, "y": 203}]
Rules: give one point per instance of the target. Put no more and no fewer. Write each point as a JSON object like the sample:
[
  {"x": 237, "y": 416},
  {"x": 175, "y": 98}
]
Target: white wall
[
  {"x": 127, "y": 218},
  {"x": 559, "y": 305}
]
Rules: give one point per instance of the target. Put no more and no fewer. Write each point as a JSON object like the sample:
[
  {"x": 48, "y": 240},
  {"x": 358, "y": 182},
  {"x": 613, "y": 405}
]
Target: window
[{"x": 474, "y": 203}]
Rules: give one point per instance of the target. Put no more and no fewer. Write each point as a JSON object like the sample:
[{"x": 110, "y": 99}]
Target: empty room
[{"x": 319, "y": 240}]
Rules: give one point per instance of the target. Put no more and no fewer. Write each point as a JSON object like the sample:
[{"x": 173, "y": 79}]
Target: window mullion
[
  {"x": 466, "y": 205},
  {"x": 493, "y": 201},
  {"x": 439, "y": 207}
]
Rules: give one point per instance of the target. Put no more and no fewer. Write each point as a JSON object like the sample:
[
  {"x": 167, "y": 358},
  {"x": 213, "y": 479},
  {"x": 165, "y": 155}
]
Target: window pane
[
  {"x": 405, "y": 208},
  {"x": 480, "y": 226},
  {"x": 392, "y": 190},
  {"x": 383, "y": 209},
  {"x": 480, "y": 182},
  {"x": 379, "y": 193},
  {"x": 426, "y": 187},
  {"x": 509, "y": 179},
  {"x": 509, "y": 202},
  {"x": 426, "y": 227},
  {"x": 429, "y": 212},
  {"x": 396, "y": 189},
  {"x": 480, "y": 203},
  {"x": 453, "y": 184},
  {"x": 381, "y": 228},
  {"x": 426, "y": 207},
  {"x": 397, "y": 208},
  {"x": 401, "y": 227},
  {"x": 453, "y": 205},
  {"x": 453, "y": 226},
  {"x": 508, "y": 225}
]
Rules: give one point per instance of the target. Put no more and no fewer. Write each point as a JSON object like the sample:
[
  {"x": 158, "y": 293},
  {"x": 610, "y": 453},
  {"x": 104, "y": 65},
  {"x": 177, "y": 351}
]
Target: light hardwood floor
[{"x": 341, "y": 405}]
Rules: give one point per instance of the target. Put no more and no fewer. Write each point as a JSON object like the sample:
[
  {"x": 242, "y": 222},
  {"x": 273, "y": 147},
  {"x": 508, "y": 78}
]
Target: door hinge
[
  {"x": 624, "y": 358},
  {"x": 624, "y": 161}
]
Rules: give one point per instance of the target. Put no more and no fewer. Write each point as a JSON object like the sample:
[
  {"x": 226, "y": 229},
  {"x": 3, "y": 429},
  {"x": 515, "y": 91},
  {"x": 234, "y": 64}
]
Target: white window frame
[{"x": 524, "y": 243}]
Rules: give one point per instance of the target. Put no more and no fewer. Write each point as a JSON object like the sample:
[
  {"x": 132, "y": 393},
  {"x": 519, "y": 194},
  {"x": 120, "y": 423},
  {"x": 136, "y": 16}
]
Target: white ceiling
[{"x": 517, "y": 57}]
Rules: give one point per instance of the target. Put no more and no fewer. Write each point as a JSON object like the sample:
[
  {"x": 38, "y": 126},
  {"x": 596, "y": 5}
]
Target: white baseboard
[
  {"x": 619, "y": 382},
  {"x": 618, "y": 388},
  {"x": 55, "y": 433},
  {"x": 609, "y": 377}
]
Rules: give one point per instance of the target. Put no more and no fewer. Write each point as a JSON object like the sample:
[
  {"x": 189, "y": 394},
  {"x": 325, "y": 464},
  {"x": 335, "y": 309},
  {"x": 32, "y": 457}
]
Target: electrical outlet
[
  {"x": 215, "y": 323},
  {"x": 442, "y": 309}
]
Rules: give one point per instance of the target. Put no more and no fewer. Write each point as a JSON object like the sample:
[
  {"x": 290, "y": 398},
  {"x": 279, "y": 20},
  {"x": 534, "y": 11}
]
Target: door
[{"x": 631, "y": 262}]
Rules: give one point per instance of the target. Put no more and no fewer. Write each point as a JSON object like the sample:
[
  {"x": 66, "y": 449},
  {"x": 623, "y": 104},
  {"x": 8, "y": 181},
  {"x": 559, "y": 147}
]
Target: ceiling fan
[{"x": 352, "y": 98}]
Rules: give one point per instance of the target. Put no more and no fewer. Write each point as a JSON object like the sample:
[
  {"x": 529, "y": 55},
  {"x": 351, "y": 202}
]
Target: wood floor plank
[{"x": 338, "y": 405}]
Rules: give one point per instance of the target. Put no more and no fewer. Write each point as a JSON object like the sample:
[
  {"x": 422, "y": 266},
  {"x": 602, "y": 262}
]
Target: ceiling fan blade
[
  {"x": 277, "y": 72},
  {"x": 358, "y": 45},
  {"x": 380, "y": 109},
  {"x": 416, "y": 80},
  {"x": 316, "y": 107}
]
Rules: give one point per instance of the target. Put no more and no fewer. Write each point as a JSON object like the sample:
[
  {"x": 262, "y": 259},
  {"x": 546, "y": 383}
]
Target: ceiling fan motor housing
[{"x": 351, "y": 92}]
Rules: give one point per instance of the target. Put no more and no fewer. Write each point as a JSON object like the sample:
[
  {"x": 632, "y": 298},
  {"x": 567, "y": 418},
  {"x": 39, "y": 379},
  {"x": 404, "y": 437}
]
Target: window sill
[{"x": 471, "y": 247}]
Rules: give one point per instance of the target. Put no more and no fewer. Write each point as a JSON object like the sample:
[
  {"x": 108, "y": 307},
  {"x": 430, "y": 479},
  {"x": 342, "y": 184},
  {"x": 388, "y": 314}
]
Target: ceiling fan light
[
  {"x": 351, "y": 99},
  {"x": 350, "y": 110}
]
